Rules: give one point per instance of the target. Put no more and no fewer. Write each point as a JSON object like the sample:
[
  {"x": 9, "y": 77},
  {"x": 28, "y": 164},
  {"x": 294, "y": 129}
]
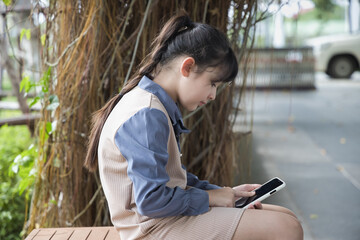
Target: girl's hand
[
  {"x": 226, "y": 196},
  {"x": 223, "y": 197},
  {"x": 247, "y": 190}
]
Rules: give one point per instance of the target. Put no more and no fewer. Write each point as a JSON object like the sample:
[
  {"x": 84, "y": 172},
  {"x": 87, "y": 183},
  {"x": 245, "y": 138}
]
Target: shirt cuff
[
  {"x": 198, "y": 202},
  {"x": 211, "y": 187}
]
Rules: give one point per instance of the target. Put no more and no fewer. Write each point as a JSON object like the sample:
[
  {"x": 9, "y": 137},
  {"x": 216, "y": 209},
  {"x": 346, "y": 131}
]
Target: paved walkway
[{"x": 311, "y": 140}]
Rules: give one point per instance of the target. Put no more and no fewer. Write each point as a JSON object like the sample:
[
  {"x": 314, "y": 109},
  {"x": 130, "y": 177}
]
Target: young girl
[{"x": 135, "y": 140}]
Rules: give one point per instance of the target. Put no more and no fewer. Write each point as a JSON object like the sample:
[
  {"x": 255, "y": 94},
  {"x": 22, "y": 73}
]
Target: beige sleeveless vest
[{"x": 117, "y": 186}]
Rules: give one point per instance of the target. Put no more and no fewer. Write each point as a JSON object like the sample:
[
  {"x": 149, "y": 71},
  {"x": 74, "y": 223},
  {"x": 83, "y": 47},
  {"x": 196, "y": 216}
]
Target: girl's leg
[
  {"x": 268, "y": 224},
  {"x": 276, "y": 208}
]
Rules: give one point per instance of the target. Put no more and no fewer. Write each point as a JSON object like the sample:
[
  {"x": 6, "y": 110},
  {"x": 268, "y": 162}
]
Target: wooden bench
[{"x": 78, "y": 233}]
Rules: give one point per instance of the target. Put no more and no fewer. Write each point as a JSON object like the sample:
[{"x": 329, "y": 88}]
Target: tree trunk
[{"x": 94, "y": 43}]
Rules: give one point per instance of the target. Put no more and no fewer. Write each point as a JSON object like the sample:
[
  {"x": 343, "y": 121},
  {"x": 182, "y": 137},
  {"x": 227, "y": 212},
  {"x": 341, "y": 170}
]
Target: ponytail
[
  {"x": 97, "y": 124},
  {"x": 179, "y": 36}
]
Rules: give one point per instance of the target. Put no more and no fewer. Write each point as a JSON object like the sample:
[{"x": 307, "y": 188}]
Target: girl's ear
[{"x": 186, "y": 66}]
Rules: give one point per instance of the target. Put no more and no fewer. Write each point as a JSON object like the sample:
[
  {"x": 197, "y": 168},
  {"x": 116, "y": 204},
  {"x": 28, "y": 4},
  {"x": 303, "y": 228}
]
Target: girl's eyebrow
[{"x": 216, "y": 82}]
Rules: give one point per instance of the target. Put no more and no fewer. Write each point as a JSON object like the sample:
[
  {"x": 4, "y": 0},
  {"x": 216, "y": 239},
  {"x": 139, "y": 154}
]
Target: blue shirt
[{"x": 142, "y": 140}]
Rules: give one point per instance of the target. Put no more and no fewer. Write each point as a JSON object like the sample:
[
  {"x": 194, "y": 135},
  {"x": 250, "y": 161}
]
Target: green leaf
[
  {"x": 54, "y": 102},
  {"x": 26, "y": 84},
  {"x": 44, "y": 81},
  {"x": 7, "y": 2},
  {"x": 48, "y": 128},
  {"x": 26, "y": 32},
  {"x": 24, "y": 185},
  {"x": 53, "y": 99},
  {"x": 43, "y": 39},
  {"x": 23, "y": 83},
  {"x": 34, "y": 101}
]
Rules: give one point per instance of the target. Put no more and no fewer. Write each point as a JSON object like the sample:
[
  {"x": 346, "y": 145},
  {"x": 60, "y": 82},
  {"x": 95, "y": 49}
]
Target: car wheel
[{"x": 341, "y": 67}]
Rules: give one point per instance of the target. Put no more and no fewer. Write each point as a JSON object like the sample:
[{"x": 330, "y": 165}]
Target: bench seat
[{"x": 77, "y": 233}]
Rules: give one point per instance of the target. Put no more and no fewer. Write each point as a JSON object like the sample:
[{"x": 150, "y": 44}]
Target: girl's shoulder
[
  {"x": 131, "y": 103},
  {"x": 138, "y": 99}
]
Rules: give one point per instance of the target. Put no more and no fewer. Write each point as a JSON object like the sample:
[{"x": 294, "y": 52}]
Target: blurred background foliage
[{"x": 13, "y": 141}]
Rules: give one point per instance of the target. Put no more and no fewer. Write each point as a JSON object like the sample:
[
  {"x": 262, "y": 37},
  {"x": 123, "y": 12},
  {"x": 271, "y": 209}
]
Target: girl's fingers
[
  {"x": 246, "y": 187},
  {"x": 251, "y": 187},
  {"x": 251, "y": 207},
  {"x": 243, "y": 194}
]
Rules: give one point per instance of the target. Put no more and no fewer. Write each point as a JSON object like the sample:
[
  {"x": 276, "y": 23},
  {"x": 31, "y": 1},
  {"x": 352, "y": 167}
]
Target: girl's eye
[{"x": 213, "y": 85}]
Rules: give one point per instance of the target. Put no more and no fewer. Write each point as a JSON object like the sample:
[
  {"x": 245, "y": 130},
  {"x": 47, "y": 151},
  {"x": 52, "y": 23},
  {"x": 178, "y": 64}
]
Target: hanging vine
[{"x": 91, "y": 47}]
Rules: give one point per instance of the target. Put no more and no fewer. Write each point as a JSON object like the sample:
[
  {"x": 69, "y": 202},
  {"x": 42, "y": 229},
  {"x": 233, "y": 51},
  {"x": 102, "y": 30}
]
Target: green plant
[
  {"x": 7, "y": 2},
  {"x": 28, "y": 84},
  {"x": 14, "y": 140}
]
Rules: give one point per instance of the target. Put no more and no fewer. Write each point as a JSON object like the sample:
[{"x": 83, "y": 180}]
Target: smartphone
[{"x": 264, "y": 191}]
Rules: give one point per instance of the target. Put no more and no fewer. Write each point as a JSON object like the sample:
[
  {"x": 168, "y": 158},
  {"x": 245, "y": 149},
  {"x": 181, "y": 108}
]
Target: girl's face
[{"x": 198, "y": 88}]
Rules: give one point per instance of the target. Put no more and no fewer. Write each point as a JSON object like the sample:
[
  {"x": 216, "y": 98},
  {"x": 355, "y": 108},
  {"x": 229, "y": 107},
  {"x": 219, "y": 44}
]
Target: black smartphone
[{"x": 264, "y": 191}]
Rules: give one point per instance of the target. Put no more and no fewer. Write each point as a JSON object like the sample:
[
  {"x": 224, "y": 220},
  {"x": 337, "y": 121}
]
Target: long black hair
[{"x": 180, "y": 36}]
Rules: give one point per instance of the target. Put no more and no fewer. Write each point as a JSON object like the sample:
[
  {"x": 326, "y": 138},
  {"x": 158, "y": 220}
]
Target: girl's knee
[
  {"x": 285, "y": 226},
  {"x": 265, "y": 224},
  {"x": 291, "y": 228}
]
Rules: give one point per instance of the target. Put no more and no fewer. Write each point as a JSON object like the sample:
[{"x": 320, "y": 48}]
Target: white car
[{"x": 338, "y": 55}]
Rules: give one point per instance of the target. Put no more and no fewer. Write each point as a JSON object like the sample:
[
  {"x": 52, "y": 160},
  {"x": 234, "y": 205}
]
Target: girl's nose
[{"x": 212, "y": 94}]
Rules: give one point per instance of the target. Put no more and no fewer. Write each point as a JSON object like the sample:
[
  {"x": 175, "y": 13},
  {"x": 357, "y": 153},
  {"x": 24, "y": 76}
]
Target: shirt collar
[{"x": 169, "y": 104}]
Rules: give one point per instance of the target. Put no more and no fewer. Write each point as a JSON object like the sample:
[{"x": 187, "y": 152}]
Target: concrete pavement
[{"x": 311, "y": 139}]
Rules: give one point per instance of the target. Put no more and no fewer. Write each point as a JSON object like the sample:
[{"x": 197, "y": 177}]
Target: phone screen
[{"x": 264, "y": 189}]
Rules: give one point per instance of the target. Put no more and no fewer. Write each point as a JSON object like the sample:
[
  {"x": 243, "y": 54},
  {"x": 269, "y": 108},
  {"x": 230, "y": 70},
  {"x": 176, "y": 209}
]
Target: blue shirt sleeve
[
  {"x": 142, "y": 140},
  {"x": 193, "y": 181}
]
